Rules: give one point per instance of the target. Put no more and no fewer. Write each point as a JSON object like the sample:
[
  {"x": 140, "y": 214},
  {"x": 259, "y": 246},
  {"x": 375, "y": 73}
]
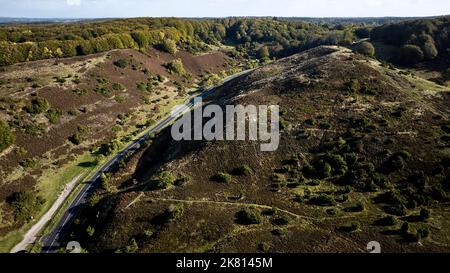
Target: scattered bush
[
  {"x": 222, "y": 178},
  {"x": 6, "y": 136},
  {"x": 424, "y": 214},
  {"x": 323, "y": 200},
  {"x": 248, "y": 217},
  {"x": 37, "y": 105},
  {"x": 25, "y": 204},
  {"x": 34, "y": 129},
  {"x": 169, "y": 46},
  {"x": 103, "y": 90},
  {"x": 182, "y": 181},
  {"x": 76, "y": 139},
  {"x": 365, "y": 48},
  {"x": 422, "y": 233},
  {"x": 118, "y": 87},
  {"x": 165, "y": 180},
  {"x": 411, "y": 54},
  {"x": 280, "y": 221},
  {"x": 176, "y": 67},
  {"x": 387, "y": 221},
  {"x": 244, "y": 170},
  {"x": 350, "y": 227},
  {"x": 54, "y": 115},
  {"x": 122, "y": 63}
]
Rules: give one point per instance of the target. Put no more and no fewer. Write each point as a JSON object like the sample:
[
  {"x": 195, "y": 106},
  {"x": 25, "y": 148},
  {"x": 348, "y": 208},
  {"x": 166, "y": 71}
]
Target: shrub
[
  {"x": 248, "y": 217},
  {"x": 244, "y": 170},
  {"x": 397, "y": 209},
  {"x": 351, "y": 227},
  {"x": 104, "y": 180},
  {"x": 429, "y": 47},
  {"x": 165, "y": 180},
  {"x": 28, "y": 163},
  {"x": 25, "y": 205},
  {"x": 264, "y": 53},
  {"x": 365, "y": 48},
  {"x": 76, "y": 139},
  {"x": 323, "y": 200},
  {"x": 422, "y": 233},
  {"x": 118, "y": 87},
  {"x": 281, "y": 221},
  {"x": 279, "y": 232},
  {"x": 119, "y": 99},
  {"x": 37, "y": 106},
  {"x": 411, "y": 54},
  {"x": 222, "y": 178},
  {"x": 405, "y": 228},
  {"x": 325, "y": 171},
  {"x": 122, "y": 63},
  {"x": 141, "y": 38},
  {"x": 182, "y": 181},
  {"x": 387, "y": 221},
  {"x": 169, "y": 46},
  {"x": 424, "y": 214},
  {"x": 53, "y": 115},
  {"x": 34, "y": 129},
  {"x": 332, "y": 211},
  {"x": 169, "y": 215},
  {"x": 176, "y": 67},
  {"x": 6, "y": 136},
  {"x": 103, "y": 90},
  {"x": 90, "y": 231}
]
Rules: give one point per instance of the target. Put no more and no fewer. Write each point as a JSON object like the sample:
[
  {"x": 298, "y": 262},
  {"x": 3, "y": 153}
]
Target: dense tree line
[
  {"x": 416, "y": 40},
  {"x": 21, "y": 43}
]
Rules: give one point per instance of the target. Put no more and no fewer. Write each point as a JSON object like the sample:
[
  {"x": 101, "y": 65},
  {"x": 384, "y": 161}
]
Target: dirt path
[
  {"x": 230, "y": 204},
  {"x": 30, "y": 236}
]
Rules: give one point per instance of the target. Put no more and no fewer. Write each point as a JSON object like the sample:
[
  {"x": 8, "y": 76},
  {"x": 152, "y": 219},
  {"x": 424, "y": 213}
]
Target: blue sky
[{"x": 220, "y": 8}]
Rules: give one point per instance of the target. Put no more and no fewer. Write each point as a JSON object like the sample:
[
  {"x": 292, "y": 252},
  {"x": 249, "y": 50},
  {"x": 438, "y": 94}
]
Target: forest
[{"x": 30, "y": 42}]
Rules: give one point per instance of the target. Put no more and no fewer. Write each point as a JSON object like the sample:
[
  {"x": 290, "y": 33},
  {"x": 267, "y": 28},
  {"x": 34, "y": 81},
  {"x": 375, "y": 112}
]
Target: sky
[{"x": 221, "y": 8}]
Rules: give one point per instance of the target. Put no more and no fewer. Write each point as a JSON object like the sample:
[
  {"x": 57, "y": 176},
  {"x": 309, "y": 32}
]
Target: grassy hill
[
  {"x": 364, "y": 155},
  {"x": 68, "y": 115}
]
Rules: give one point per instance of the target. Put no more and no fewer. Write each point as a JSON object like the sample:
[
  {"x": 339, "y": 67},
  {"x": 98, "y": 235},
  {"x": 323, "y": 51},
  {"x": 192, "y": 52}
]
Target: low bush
[
  {"x": 37, "y": 105},
  {"x": 54, "y": 115},
  {"x": 248, "y": 217},
  {"x": 165, "y": 180},
  {"x": 122, "y": 63},
  {"x": 387, "y": 221},
  {"x": 244, "y": 170},
  {"x": 6, "y": 136},
  {"x": 222, "y": 178},
  {"x": 176, "y": 67},
  {"x": 365, "y": 48},
  {"x": 350, "y": 227},
  {"x": 25, "y": 204},
  {"x": 323, "y": 200}
]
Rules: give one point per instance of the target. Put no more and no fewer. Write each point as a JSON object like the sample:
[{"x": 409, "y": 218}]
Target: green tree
[
  {"x": 169, "y": 46},
  {"x": 411, "y": 54},
  {"x": 264, "y": 53},
  {"x": 37, "y": 105},
  {"x": 365, "y": 48},
  {"x": 141, "y": 38},
  {"x": 6, "y": 136}
]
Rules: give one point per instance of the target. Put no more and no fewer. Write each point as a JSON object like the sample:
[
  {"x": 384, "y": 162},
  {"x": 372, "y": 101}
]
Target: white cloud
[{"x": 73, "y": 2}]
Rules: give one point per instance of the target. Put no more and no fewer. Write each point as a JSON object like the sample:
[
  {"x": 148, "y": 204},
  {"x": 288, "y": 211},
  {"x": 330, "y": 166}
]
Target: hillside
[
  {"x": 363, "y": 156},
  {"x": 66, "y": 116}
]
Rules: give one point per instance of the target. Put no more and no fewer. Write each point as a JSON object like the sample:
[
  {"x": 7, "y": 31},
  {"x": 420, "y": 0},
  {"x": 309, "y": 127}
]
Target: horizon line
[{"x": 229, "y": 16}]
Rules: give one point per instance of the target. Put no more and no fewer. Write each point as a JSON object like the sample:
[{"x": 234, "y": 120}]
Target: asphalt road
[{"x": 52, "y": 242}]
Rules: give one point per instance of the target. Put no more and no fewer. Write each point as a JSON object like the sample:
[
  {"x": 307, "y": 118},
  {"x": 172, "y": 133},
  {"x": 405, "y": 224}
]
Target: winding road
[{"x": 52, "y": 241}]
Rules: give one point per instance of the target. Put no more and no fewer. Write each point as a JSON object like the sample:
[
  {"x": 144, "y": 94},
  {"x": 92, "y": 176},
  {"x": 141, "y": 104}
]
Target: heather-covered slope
[{"x": 364, "y": 156}]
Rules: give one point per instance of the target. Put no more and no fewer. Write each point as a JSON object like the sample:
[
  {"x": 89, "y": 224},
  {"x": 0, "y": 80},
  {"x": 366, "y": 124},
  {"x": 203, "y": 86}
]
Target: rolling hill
[{"x": 363, "y": 156}]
